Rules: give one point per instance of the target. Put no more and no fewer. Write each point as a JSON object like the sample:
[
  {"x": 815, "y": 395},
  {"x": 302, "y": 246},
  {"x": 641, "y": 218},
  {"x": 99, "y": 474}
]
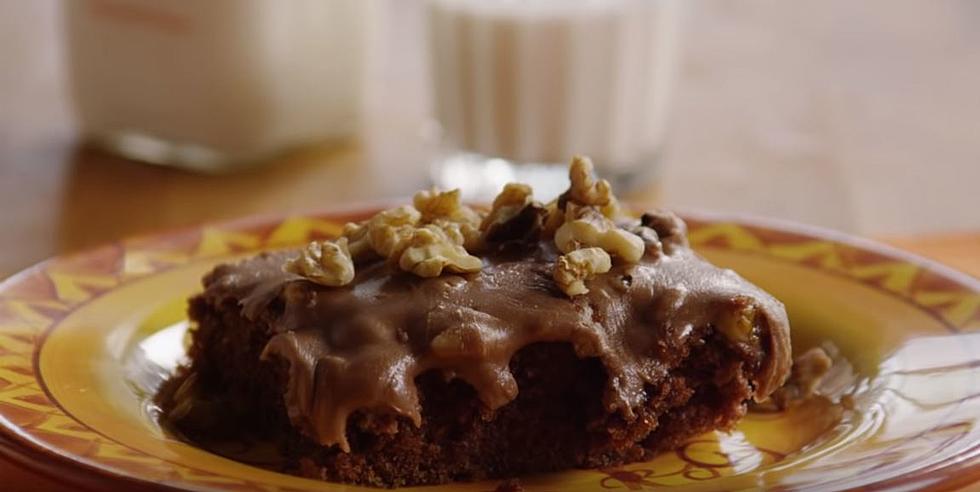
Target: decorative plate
[{"x": 85, "y": 339}]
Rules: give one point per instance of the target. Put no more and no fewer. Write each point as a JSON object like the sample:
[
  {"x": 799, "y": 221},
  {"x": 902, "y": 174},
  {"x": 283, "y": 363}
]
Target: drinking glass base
[{"x": 149, "y": 149}]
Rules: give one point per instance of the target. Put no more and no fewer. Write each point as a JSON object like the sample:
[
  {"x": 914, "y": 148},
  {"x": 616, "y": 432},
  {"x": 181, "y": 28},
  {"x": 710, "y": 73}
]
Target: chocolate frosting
[{"x": 360, "y": 347}]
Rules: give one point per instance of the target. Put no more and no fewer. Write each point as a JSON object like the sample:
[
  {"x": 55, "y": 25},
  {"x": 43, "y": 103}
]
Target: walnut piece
[
  {"x": 431, "y": 250},
  {"x": 434, "y": 204},
  {"x": 585, "y": 190},
  {"x": 586, "y": 227},
  {"x": 446, "y": 209},
  {"x": 383, "y": 235},
  {"x": 508, "y": 203},
  {"x": 574, "y": 268},
  {"x": 358, "y": 244},
  {"x": 514, "y": 216},
  {"x": 324, "y": 262},
  {"x": 554, "y": 219},
  {"x": 390, "y": 231}
]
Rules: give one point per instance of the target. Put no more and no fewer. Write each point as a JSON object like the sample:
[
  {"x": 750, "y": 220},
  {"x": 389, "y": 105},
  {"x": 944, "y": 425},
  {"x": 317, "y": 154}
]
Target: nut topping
[
  {"x": 431, "y": 250},
  {"x": 587, "y": 227},
  {"x": 574, "y": 268},
  {"x": 514, "y": 216},
  {"x": 585, "y": 190},
  {"x": 324, "y": 262},
  {"x": 439, "y": 233},
  {"x": 446, "y": 209}
]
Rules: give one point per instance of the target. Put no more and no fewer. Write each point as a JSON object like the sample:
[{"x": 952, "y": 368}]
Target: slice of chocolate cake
[{"x": 435, "y": 343}]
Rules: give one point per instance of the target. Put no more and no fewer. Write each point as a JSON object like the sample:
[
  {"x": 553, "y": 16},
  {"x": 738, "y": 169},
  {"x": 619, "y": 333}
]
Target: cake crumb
[
  {"x": 808, "y": 377},
  {"x": 809, "y": 370}
]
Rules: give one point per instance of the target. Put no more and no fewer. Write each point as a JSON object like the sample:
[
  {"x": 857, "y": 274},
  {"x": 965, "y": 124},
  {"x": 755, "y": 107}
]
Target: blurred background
[{"x": 858, "y": 116}]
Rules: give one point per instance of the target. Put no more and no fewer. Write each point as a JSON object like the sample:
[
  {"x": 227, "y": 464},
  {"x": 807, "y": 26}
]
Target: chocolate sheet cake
[{"x": 436, "y": 343}]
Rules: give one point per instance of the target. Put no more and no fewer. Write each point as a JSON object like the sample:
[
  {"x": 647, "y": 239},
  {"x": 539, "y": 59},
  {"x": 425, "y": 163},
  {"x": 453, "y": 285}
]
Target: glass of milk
[
  {"x": 216, "y": 84},
  {"x": 519, "y": 87}
]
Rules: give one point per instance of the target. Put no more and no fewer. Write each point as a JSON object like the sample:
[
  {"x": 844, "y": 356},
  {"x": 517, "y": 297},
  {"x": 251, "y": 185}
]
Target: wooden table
[{"x": 860, "y": 116}]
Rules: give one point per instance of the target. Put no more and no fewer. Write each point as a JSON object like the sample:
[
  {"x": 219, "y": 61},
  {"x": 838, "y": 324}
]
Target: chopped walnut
[
  {"x": 511, "y": 200},
  {"x": 525, "y": 225},
  {"x": 358, "y": 244},
  {"x": 586, "y": 227},
  {"x": 434, "y": 204},
  {"x": 514, "y": 215},
  {"x": 324, "y": 262},
  {"x": 574, "y": 268},
  {"x": 382, "y": 235},
  {"x": 431, "y": 250},
  {"x": 585, "y": 190},
  {"x": 453, "y": 230},
  {"x": 445, "y": 208},
  {"x": 554, "y": 218},
  {"x": 390, "y": 230},
  {"x": 514, "y": 194}
]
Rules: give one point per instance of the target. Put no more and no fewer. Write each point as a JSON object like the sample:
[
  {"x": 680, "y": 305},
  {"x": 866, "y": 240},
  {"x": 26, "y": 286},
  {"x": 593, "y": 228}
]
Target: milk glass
[
  {"x": 216, "y": 84},
  {"x": 519, "y": 87}
]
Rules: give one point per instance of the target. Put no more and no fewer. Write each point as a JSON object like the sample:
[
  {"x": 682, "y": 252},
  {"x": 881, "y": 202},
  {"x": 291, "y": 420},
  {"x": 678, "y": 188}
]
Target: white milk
[
  {"x": 211, "y": 83},
  {"x": 538, "y": 81}
]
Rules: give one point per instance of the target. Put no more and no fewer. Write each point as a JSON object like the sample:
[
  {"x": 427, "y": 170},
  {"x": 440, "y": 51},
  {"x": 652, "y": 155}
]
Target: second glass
[
  {"x": 215, "y": 85},
  {"x": 521, "y": 87}
]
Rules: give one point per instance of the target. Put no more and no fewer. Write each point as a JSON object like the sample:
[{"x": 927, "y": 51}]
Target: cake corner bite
[{"x": 438, "y": 342}]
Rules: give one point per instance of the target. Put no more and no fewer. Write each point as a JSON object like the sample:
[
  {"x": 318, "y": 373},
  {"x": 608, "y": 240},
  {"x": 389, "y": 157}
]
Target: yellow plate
[{"x": 85, "y": 339}]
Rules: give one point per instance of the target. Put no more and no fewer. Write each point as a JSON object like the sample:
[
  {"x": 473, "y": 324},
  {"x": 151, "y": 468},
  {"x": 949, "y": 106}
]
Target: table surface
[{"x": 859, "y": 116}]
